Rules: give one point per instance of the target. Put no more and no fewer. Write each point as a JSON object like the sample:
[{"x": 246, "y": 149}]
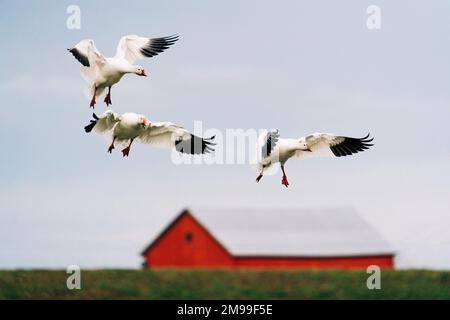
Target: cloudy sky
[{"x": 298, "y": 66}]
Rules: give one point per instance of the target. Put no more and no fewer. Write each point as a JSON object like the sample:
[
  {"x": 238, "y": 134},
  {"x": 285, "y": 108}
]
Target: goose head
[
  {"x": 303, "y": 146},
  {"x": 140, "y": 71},
  {"x": 143, "y": 121}
]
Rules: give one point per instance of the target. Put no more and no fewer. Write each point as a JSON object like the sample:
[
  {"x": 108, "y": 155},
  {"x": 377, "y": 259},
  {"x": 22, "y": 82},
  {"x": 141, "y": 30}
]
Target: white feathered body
[
  {"x": 105, "y": 75},
  {"x": 129, "y": 127},
  {"x": 113, "y": 71},
  {"x": 285, "y": 149}
]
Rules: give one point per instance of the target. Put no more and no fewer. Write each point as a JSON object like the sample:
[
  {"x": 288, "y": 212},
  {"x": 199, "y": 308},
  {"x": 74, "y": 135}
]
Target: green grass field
[{"x": 224, "y": 284}]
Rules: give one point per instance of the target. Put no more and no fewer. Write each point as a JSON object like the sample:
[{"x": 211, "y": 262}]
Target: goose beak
[{"x": 143, "y": 73}]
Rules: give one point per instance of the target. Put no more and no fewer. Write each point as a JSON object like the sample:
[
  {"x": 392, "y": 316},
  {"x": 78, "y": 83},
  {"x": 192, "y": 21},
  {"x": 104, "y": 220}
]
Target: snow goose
[
  {"x": 271, "y": 149},
  {"x": 126, "y": 128},
  {"x": 101, "y": 73}
]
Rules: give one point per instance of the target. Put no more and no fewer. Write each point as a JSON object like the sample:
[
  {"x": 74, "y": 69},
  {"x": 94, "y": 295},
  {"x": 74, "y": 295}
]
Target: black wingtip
[
  {"x": 272, "y": 137},
  {"x": 366, "y": 139},
  {"x": 195, "y": 145},
  {"x": 91, "y": 126},
  {"x": 352, "y": 145},
  {"x": 208, "y": 144},
  {"x": 173, "y": 37},
  {"x": 80, "y": 57}
]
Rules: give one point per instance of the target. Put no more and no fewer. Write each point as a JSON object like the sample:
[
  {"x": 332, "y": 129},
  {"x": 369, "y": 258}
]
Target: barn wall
[
  {"x": 173, "y": 250},
  {"x": 336, "y": 262}
]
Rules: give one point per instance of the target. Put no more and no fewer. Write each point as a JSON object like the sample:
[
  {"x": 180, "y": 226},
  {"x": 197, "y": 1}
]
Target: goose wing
[
  {"x": 133, "y": 47},
  {"x": 330, "y": 145},
  {"x": 87, "y": 54},
  {"x": 169, "y": 135}
]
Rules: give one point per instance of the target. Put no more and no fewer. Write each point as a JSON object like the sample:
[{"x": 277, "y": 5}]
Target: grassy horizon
[{"x": 224, "y": 284}]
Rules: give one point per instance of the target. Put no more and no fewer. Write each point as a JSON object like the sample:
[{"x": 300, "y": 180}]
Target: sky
[{"x": 299, "y": 66}]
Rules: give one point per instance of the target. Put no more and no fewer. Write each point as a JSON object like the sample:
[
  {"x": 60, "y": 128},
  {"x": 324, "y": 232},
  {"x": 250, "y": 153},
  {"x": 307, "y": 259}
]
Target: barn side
[{"x": 186, "y": 243}]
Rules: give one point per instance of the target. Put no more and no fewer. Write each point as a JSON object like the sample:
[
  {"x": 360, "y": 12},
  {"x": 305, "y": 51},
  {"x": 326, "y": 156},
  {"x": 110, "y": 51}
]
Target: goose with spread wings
[
  {"x": 128, "y": 127},
  {"x": 271, "y": 149},
  {"x": 102, "y": 73}
]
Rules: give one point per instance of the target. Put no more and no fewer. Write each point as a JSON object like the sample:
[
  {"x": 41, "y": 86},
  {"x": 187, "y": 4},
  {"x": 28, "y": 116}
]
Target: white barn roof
[{"x": 293, "y": 232}]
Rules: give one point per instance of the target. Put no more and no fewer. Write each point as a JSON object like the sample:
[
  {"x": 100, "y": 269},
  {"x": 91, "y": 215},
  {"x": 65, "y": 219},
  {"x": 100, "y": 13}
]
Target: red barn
[{"x": 225, "y": 238}]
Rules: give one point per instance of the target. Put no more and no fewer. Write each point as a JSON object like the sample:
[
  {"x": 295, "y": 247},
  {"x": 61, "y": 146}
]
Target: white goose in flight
[
  {"x": 271, "y": 149},
  {"x": 101, "y": 73},
  {"x": 128, "y": 127}
]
